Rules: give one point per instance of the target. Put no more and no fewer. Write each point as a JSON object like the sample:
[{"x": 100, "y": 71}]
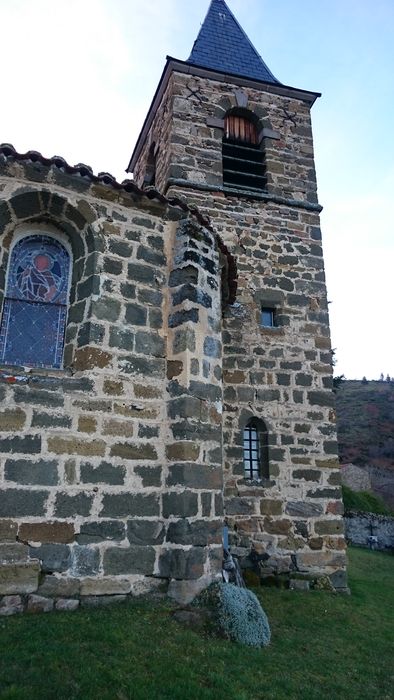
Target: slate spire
[{"x": 222, "y": 45}]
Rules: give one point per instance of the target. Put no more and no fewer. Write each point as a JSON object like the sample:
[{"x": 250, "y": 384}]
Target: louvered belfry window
[{"x": 243, "y": 159}]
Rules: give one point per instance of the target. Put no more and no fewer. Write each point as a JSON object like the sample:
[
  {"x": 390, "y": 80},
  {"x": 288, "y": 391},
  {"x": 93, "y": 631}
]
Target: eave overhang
[{"x": 175, "y": 65}]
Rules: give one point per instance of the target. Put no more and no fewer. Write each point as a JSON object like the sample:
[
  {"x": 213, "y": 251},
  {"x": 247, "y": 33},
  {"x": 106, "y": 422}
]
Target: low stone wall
[{"x": 359, "y": 527}]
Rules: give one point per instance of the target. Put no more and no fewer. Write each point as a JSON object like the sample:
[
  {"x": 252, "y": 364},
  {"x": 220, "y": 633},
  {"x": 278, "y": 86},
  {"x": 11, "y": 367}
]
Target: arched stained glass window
[
  {"x": 35, "y": 305},
  {"x": 255, "y": 445}
]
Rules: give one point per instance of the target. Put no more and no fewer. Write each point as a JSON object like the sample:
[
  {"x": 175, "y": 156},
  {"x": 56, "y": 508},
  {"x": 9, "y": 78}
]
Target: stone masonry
[
  {"x": 105, "y": 486},
  {"x": 293, "y": 520},
  {"x": 118, "y": 472}
]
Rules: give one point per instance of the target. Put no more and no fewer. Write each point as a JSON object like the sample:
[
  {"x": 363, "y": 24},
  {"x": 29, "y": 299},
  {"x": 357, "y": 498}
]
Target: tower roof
[{"x": 222, "y": 45}]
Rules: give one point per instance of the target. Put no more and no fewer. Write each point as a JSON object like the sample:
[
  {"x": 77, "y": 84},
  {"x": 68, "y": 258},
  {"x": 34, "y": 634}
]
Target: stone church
[{"x": 165, "y": 358}]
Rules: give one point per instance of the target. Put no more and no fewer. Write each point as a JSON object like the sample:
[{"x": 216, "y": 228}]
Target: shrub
[
  {"x": 242, "y": 617},
  {"x": 363, "y": 501}
]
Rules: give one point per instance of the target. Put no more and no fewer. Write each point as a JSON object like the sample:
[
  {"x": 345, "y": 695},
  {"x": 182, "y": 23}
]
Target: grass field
[{"x": 323, "y": 646}]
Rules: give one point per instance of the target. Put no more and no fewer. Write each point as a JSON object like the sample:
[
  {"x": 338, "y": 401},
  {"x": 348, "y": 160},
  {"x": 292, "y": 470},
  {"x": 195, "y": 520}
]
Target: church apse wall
[{"x": 110, "y": 466}]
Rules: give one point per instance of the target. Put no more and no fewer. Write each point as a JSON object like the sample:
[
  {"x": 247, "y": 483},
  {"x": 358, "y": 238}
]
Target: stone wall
[
  {"x": 359, "y": 527},
  {"x": 283, "y": 374},
  {"x": 110, "y": 469}
]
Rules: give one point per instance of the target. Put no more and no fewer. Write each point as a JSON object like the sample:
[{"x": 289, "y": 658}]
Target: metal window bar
[{"x": 251, "y": 452}]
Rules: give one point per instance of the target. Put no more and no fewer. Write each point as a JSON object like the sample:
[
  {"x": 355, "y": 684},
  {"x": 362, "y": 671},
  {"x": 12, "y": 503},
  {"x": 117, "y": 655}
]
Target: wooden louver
[{"x": 243, "y": 159}]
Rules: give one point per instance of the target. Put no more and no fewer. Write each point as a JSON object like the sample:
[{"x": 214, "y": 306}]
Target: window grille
[
  {"x": 35, "y": 305},
  {"x": 255, "y": 446},
  {"x": 243, "y": 159}
]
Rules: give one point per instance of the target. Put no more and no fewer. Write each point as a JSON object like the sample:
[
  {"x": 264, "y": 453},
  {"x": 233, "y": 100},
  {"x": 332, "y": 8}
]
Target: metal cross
[
  {"x": 289, "y": 117},
  {"x": 193, "y": 93}
]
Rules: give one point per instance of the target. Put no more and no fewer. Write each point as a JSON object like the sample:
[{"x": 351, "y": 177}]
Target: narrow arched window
[
  {"x": 243, "y": 157},
  {"x": 255, "y": 445},
  {"x": 35, "y": 305}
]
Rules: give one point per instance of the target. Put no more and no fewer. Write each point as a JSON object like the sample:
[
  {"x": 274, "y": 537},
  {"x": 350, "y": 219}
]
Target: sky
[{"x": 78, "y": 77}]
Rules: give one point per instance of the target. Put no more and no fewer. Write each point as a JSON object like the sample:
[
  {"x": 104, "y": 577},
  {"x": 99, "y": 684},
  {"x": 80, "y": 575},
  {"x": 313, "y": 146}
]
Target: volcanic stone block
[
  {"x": 10, "y": 605},
  {"x": 141, "y": 273},
  {"x": 66, "y": 604},
  {"x": 325, "y": 493},
  {"x": 13, "y": 552},
  {"x": 85, "y": 561},
  {"x": 49, "y": 399},
  {"x": 277, "y": 527},
  {"x": 136, "y": 315},
  {"x": 89, "y": 358},
  {"x": 199, "y": 533},
  {"x": 47, "y": 532},
  {"x": 150, "y": 296},
  {"x": 26, "y": 444},
  {"x": 16, "y": 503},
  {"x": 76, "y": 446},
  {"x": 301, "y": 509},
  {"x": 105, "y": 586},
  {"x": 329, "y": 527},
  {"x": 151, "y": 476},
  {"x": 183, "y": 450},
  {"x": 184, "y": 339},
  {"x": 184, "y": 275},
  {"x": 100, "y": 531},
  {"x": 23, "y": 471},
  {"x": 149, "y": 344},
  {"x": 239, "y": 506},
  {"x": 149, "y": 367},
  {"x": 121, "y": 338},
  {"x": 54, "y": 586},
  {"x": 128, "y": 450},
  {"x": 184, "y": 316},
  {"x": 181, "y": 505},
  {"x": 53, "y": 557},
  {"x": 150, "y": 256},
  {"x": 129, "y": 560},
  {"x": 50, "y": 420},
  {"x": 181, "y": 564},
  {"x": 321, "y": 398},
  {"x": 19, "y": 578},
  {"x": 339, "y": 579},
  {"x": 143, "y": 532},
  {"x": 269, "y": 506},
  {"x": 104, "y": 473},
  {"x": 39, "y": 604},
  {"x": 130, "y": 504},
  {"x": 12, "y": 419},
  {"x": 69, "y": 505},
  {"x": 119, "y": 247},
  {"x": 307, "y": 474},
  {"x": 26, "y": 204},
  {"x": 195, "y": 476},
  {"x": 8, "y": 531}
]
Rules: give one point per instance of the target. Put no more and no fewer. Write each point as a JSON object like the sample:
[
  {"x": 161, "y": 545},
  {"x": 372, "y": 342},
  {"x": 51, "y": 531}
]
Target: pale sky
[{"x": 77, "y": 79}]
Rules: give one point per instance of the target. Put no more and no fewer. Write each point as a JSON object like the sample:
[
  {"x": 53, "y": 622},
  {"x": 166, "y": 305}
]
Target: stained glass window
[{"x": 35, "y": 306}]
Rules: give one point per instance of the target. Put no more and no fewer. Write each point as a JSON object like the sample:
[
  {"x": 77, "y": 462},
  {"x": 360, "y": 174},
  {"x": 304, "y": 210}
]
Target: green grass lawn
[{"x": 323, "y": 646}]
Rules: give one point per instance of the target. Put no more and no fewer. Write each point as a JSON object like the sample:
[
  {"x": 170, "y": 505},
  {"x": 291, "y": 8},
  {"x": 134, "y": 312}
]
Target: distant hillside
[{"x": 365, "y": 414}]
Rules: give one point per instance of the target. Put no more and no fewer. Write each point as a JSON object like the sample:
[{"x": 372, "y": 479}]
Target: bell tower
[{"x": 224, "y": 134}]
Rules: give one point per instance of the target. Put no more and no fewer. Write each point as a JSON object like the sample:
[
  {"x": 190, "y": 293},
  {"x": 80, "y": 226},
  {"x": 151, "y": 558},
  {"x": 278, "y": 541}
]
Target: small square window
[{"x": 267, "y": 319}]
